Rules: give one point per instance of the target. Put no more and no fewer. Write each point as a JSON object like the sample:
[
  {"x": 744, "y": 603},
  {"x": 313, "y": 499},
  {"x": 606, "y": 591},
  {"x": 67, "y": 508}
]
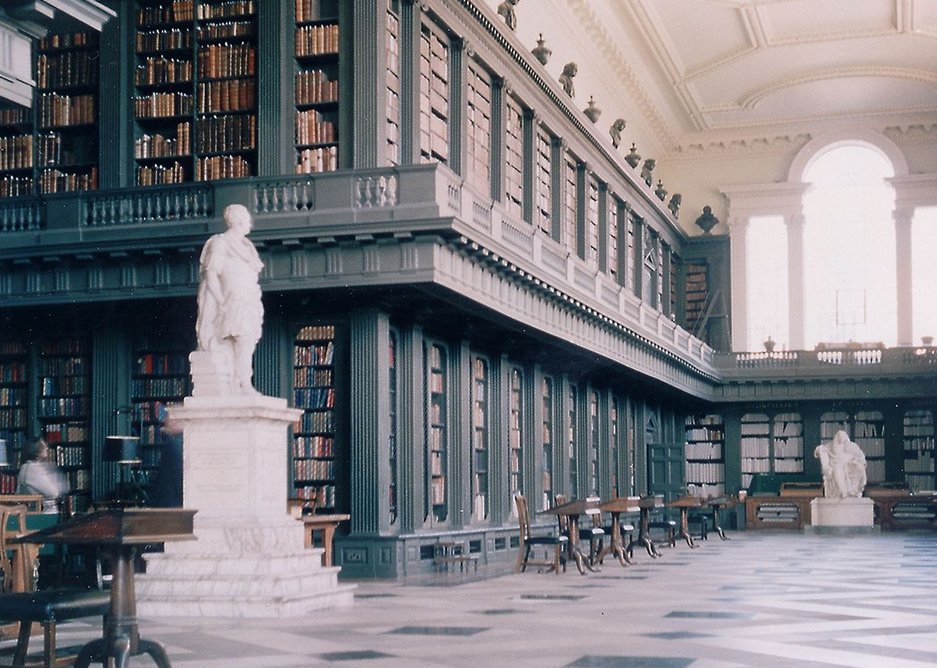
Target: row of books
[
  {"x": 755, "y": 447},
  {"x": 14, "y": 116},
  {"x": 150, "y": 175},
  {"x": 14, "y": 418},
  {"x": 159, "y": 146},
  {"x": 872, "y": 447},
  {"x": 226, "y": 30},
  {"x": 226, "y": 9},
  {"x": 315, "y": 422},
  {"x": 12, "y": 348},
  {"x": 71, "y": 456},
  {"x": 57, "y": 110},
  {"x": 12, "y": 396},
  {"x": 316, "y": 333},
  {"x": 15, "y": 186},
  {"x": 315, "y": 160},
  {"x": 704, "y": 451},
  {"x": 706, "y": 491},
  {"x": 789, "y": 465},
  {"x": 50, "y": 386},
  {"x": 78, "y": 480},
  {"x": 16, "y": 152},
  {"x": 705, "y": 472},
  {"x": 312, "y": 446},
  {"x": 705, "y": 434},
  {"x": 75, "y": 365},
  {"x": 916, "y": 443},
  {"x": 322, "y": 495},
  {"x": 307, "y": 10},
  {"x": 225, "y": 133},
  {"x": 314, "y": 397},
  {"x": 320, "y": 353},
  {"x": 793, "y": 447},
  {"x": 176, "y": 11},
  {"x": 168, "y": 39},
  {"x": 71, "y": 68},
  {"x": 221, "y": 167},
  {"x": 316, "y": 40},
  {"x": 64, "y": 407},
  {"x": 161, "y": 363},
  {"x": 924, "y": 463},
  {"x": 217, "y": 61},
  {"x": 312, "y": 86},
  {"x": 313, "y": 469},
  {"x": 158, "y": 387},
  {"x": 226, "y": 95},
  {"x": 162, "y": 70},
  {"x": 7, "y": 483},
  {"x": 71, "y": 432},
  {"x": 163, "y": 104},
  {"x": 67, "y": 40},
  {"x": 305, "y": 376}
]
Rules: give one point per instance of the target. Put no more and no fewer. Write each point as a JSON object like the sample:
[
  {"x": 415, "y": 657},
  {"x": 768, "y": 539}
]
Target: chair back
[
  {"x": 18, "y": 560},
  {"x": 523, "y": 516},
  {"x": 562, "y": 520}
]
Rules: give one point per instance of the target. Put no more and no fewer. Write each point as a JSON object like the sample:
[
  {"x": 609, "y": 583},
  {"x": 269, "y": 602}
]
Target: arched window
[{"x": 849, "y": 247}]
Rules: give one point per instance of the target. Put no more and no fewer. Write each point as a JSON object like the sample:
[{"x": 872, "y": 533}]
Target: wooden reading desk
[
  {"x": 120, "y": 532},
  {"x": 327, "y": 525},
  {"x": 616, "y": 544},
  {"x": 684, "y": 503},
  {"x": 571, "y": 511},
  {"x": 646, "y": 504}
]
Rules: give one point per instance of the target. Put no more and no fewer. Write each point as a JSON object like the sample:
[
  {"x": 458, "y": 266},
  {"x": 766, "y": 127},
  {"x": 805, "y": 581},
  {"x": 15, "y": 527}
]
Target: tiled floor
[{"x": 759, "y": 599}]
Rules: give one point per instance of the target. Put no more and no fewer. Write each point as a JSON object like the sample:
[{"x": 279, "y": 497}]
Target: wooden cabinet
[
  {"x": 917, "y": 438},
  {"x": 438, "y": 430},
  {"x": 315, "y": 88},
  {"x": 14, "y": 403}
]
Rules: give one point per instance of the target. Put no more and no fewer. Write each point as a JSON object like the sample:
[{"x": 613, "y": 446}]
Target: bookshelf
[
  {"x": 571, "y": 440},
  {"x": 66, "y": 135},
  {"x": 392, "y": 495},
  {"x": 787, "y": 443},
  {"x": 697, "y": 289},
  {"x": 547, "y": 443},
  {"x": 64, "y": 409},
  {"x": 16, "y": 151},
  {"x": 480, "y": 436},
  {"x": 917, "y": 435},
  {"x": 160, "y": 377},
  {"x": 593, "y": 443},
  {"x": 515, "y": 423},
  {"x": 438, "y": 431},
  {"x": 313, "y": 448},
  {"x": 195, "y": 106},
  {"x": 315, "y": 88},
  {"x": 705, "y": 455},
  {"x": 14, "y": 402},
  {"x": 755, "y": 446}
]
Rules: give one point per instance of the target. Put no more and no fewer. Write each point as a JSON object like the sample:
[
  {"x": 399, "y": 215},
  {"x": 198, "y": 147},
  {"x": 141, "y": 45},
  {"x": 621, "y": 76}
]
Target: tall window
[
  {"x": 515, "y": 430},
  {"x": 849, "y": 247},
  {"x": 767, "y": 281},
  {"x": 544, "y": 179},
  {"x": 434, "y": 97},
  {"x": 923, "y": 276},
  {"x": 612, "y": 256},
  {"x": 570, "y": 207},
  {"x": 514, "y": 158},
  {"x": 591, "y": 250},
  {"x": 478, "y": 129},
  {"x": 393, "y": 83},
  {"x": 480, "y": 435},
  {"x": 547, "y": 442}
]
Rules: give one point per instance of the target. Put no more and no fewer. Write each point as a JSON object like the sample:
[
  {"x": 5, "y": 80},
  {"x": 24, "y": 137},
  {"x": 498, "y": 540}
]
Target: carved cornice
[{"x": 749, "y": 146}]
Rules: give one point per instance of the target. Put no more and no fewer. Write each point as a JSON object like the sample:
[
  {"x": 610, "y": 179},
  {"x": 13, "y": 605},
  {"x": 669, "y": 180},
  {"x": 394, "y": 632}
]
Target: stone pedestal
[
  {"x": 248, "y": 559},
  {"x": 838, "y": 515}
]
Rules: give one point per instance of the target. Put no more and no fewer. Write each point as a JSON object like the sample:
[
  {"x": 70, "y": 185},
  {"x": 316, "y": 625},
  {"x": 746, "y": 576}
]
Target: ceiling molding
[{"x": 779, "y": 144}]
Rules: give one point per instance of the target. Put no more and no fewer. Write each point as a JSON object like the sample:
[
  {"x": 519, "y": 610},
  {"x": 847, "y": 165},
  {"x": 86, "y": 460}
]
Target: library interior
[{"x": 574, "y": 287}]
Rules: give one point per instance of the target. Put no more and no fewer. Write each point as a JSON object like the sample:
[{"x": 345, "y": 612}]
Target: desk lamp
[{"x": 125, "y": 452}]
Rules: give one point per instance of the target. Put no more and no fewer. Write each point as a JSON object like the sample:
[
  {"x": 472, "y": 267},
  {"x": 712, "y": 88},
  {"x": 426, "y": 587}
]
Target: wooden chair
[
  {"x": 528, "y": 541},
  {"x": 20, "y": 602}
]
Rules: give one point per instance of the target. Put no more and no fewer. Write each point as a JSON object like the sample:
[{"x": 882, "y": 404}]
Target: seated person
[{"x": 41, "y": 476}]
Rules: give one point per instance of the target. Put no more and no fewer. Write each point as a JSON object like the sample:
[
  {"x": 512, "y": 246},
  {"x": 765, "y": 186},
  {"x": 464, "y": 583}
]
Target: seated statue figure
[{"x": 843, "y": 465}]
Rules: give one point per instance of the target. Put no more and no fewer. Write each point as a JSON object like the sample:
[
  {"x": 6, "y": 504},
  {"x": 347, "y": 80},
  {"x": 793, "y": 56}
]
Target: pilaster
[
  {"x": 637, "y": 257},
  {"x": 738, "y": 242},
  {"x": 903, "y": 217},
  {"x": 275, "y": 29},
  {"x": 795, "y": 279},
  {"x": 410, "y": 426},
  {"x": 368, "y": 27}
]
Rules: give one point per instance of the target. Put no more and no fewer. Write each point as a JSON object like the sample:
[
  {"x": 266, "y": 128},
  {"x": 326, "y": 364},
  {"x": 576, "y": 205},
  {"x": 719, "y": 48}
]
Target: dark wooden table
[
  {"x": 327, "y": 525},
  {"x": 719, "y": 503},
  {"x": 571, "y": 510},
  {"x": 616, "y": 544},
  {"x": 684, "y": 503},
  {"x": 120, "y": 532}
]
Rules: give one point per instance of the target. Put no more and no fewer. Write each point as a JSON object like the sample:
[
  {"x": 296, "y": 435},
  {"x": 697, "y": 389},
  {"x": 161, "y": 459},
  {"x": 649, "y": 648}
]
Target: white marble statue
[
  {"x": 843, "y": 465},
  {"x": 230, "y": 310}
]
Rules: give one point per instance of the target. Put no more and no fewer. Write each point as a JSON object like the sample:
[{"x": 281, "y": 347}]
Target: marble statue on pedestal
[
  {"x": 230, "y": 310},
  {"x": 843, "y": 465}
]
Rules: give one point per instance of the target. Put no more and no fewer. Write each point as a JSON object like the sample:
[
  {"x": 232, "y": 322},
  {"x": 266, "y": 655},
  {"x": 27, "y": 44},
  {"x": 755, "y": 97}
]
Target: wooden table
[
  {"x": 327, "y": 525},
  {"x": 717, "y": 504},
  {"x": 645, "y": 505},
  {"x": 684, "y": 503},
  {"x": 120, "y": 532},
  {"x": 616, "y": 545},
  {"x": 571, "y": 510}
]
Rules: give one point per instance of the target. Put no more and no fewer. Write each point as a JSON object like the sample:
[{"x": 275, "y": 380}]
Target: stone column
[
  {"x": 738, "y": 241},
  {"x": 903, "y": 216},
  {"x": 795, "y": 279}
]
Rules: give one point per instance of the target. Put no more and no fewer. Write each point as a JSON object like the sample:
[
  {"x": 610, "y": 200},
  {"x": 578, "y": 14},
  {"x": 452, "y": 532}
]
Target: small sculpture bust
[
  {"x": 647, "y": 169},
  {"x": 843, "y": 465},
  {"x": 506, "y": 10},
  {"x": 566, "y": 78},
  {"x": 230, "y": 310},
  {"x": 707, "y": 220},
  {"x": 674, "y": 205},
  {"x": 615, "y": 131}
]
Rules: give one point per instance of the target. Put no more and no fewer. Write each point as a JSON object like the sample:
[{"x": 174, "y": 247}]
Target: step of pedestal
[{"x": 155, "y": 605}]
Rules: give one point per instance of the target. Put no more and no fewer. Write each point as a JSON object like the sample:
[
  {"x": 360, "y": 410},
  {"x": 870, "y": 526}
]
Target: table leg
[
  {"x": 617, "y": 546},
  {"x": 685, "y": 528},
  {"x": 716, "y": 525},
  {"x": 573, "y": 546},
  {"x": 644, "y": 535}
]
